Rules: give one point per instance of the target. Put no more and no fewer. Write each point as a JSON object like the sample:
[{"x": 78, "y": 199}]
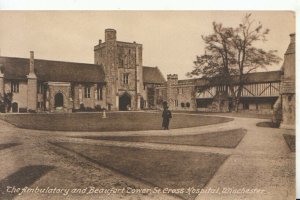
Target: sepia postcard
[{"x": 147, "y": 105}]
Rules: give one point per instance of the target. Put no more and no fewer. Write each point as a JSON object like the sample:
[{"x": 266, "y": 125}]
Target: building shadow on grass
[
  {"x": 223, "y": 139},
  {"x": 8, "y": 145},
  {"x": 25, "y": 176}
]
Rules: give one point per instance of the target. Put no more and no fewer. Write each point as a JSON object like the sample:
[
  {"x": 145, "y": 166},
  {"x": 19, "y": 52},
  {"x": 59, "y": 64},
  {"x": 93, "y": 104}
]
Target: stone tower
[
  {"x": 105, "y": 55},
  {"x": 122, "y": 62}
]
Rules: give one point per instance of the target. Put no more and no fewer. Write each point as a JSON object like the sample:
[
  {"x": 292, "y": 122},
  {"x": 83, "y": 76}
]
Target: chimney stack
[{"x": 31, "y": 65}]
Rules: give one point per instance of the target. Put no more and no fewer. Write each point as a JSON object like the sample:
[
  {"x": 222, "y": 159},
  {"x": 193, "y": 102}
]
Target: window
[
  {"x": 15, "y": 86},
  {"x": 180, "y": 90},
  {"x": 99, "y": 93},
  {"x": 176, "y": 103},
  {"x": 40, "y": 104},
  {"x": 40, "y": 88},
  {"x": 87, "y": 92},
  {"x": 125, "y": 78}
]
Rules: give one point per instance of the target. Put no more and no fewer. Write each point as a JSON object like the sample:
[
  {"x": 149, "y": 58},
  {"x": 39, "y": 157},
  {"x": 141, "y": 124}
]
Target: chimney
[
  {"x": 31, "y": 65},
  {"x": 31, "y": 74}
]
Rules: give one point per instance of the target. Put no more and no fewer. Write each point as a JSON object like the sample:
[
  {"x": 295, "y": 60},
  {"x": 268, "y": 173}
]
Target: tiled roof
[
  {"x": 257, "y": 77},
  {"x": 46, "y": 70},
  {"x": 152, "y": 75}
]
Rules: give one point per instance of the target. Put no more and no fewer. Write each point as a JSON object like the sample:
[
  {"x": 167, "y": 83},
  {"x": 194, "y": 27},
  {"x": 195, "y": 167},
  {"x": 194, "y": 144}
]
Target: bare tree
[
  {"x": 6, "y": 102},
  {"x": 230, "y": 54}
]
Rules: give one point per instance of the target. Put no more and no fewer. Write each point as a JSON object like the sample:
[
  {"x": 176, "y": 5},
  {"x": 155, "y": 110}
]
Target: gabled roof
[
  {"x": 152, "y": 75},
  {"x": 46, "y": 70}
]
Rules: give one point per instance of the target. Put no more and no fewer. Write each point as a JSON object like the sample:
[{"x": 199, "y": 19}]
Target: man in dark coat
[{"x": 166, "y": 115}]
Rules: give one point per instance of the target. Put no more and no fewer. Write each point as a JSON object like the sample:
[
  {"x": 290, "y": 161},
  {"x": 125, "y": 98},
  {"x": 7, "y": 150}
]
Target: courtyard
[{"x": 201, "y": 157}]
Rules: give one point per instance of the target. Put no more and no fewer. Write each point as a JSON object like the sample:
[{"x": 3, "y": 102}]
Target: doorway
[
  {"x": 59, "y": 100},
  {"x": 15, "y": 107}
]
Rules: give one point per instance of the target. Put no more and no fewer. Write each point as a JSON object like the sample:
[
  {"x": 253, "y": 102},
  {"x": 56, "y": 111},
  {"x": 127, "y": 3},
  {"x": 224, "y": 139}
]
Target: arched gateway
[{"x": 125, "y": 102}]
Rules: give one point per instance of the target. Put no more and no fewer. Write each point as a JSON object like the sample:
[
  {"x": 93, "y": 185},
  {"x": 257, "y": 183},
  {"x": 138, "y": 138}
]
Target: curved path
[{"x": 261, "y": 161}]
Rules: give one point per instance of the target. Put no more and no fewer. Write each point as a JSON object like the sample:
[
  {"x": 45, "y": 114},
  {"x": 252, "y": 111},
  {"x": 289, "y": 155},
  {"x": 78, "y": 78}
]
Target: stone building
[
  {"x": 288, "y": 87},
  {"x": 259, "y": 94},
  {"x": 117, "y": 81}
]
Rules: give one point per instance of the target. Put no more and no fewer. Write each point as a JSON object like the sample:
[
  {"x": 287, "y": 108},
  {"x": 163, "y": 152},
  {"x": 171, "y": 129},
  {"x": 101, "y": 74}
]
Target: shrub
[
  {"x": 89, "y": 109},
  {"x": 82, "y": 108},
  {"x": 188, "y": 104},
  {"x": 98, "y": 108},
  {"x": 31, "y": 111},
  {"x": 23, "y": 110},
  {"x": 182, "y": 105}
]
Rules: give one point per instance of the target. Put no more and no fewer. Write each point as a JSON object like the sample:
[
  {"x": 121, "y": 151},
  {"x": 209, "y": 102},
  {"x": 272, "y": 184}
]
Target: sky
[{"x": 171, "y": 39}]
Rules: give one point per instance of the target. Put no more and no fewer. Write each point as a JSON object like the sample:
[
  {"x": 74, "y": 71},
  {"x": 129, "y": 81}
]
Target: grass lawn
[
  {"x": 290, "y": 140},
  {"x": 161, "y": 168},
  {"x": 116, "y": 121},
  {"x": 227, "y": 139}
]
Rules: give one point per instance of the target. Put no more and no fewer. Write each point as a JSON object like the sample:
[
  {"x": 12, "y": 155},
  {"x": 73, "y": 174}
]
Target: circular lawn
[{"x": 115, "y": 121}]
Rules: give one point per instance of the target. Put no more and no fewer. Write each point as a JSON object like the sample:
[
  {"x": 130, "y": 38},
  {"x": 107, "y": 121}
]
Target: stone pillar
[
  {"x": 31, "y": 85},
  {"x": 80, "y": 95},
  {"x": 138, "y": 102},
  {"x": 117, "y": 102}
]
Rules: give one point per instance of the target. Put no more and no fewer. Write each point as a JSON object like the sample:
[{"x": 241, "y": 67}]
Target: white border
[{"x": 291, "y": 5}]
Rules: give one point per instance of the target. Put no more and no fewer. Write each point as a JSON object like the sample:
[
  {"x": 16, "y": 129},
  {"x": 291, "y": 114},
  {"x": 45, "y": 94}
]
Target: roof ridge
[{"x": 51, "y": 60}]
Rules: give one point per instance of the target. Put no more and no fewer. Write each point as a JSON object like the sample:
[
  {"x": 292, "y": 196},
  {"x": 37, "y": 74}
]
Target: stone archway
[
  {"x": 59, "y": 100},
  {"x": 125, "y": 102}
]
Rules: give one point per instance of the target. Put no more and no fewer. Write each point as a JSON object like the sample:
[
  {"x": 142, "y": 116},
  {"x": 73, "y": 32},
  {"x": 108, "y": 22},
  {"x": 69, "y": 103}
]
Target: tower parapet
[
  {"x": 172, "y": 79},
  {"x": 110, "y": 35}
]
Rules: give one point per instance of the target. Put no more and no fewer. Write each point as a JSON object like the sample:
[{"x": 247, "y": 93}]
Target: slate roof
[
  {"x": 152, "y": 75},
  {"x": 46, "y": 70}
]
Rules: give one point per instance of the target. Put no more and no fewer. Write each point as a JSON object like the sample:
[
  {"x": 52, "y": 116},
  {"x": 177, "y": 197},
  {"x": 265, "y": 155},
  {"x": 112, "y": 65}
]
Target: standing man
[{"x": 166, "y": 115}]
